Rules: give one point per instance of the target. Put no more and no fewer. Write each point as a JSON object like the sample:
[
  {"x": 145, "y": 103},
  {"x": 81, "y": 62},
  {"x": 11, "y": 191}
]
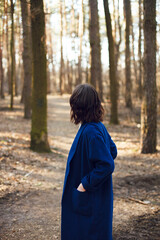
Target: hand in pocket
[{"x": 81, "y": 188}]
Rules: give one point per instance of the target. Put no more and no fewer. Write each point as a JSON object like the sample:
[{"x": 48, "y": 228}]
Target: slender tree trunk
[
  {"x": 149, "y": 103},
  {"x": 133, "y": 53},
  {"x": 12, "y": 57},
  {"x": 1, "y": 74},
  {"x": 62, "y": 77},
  {"x": 7, "y": 49},
  {"x": 118, "y": 32},
  {"x": 94, "y": 36},
  {"x": 140, "y": 52},
  {"x": 70, "y": 77},
  {"x": 22, "y": 95},
  {"x": 80, "y": 33},
  {"x": 112, "y": 70},
  {"x": 39, "y": 138},
  {"x": 73, "y": 44},
  {"x": 117, "y": 44},
  {"x": 66, "y": 80},
  {"x": 49, "y": 47},
  {"x": 27, "y": 57},
  {"x": 18, "y": 38},
  {"x": 2, "y": 41},
  {"x": 127, "y": 13}
]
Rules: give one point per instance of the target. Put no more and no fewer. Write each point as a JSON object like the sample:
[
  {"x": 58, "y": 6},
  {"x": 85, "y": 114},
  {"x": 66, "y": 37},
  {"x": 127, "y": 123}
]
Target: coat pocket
[{"x": 81, "y": 202}]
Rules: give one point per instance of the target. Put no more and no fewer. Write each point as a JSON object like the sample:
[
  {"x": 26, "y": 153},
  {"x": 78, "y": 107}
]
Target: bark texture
[
  {"x": 149, "y": 104},
  {"x": 94, "y": 36},
  {"x": 112, "y": 68},
  {"x": 27, "y": 57},
  {"x": 127, "y": 13},
  {"x": 39, "y": 139}
]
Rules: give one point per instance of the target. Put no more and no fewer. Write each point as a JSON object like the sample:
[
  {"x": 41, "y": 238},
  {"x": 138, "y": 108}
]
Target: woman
[{"x": 87, "y": 199}]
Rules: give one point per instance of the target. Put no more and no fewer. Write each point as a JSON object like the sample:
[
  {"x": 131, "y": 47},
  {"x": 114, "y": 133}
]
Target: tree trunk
[
  {"x": 7, "y": 49},
  {"x": 140, "y": 52},
  {"x": 69, "y": 77},
  {"x": 2, "y": 41},
  {"x": 62, "y": 75},
  {"x": 39, "y": 138},
  {"x": 1, "y": 74},
  {"x": 94, "y": 36},
  {"x": 80, "y": 34},
  {"x": 112, "y": 70},
  {"x": 12, "y": 57},
  {"x": 22, "y": 95},
  {"x": 127, "y": 13},
  {"x": 117, "y": 44},
  {"x": 27, "y": 57},
  {"x": 149, "y": 104},
  {"x": 133, "y": 53},
  {"x": 117, "y": 32}
]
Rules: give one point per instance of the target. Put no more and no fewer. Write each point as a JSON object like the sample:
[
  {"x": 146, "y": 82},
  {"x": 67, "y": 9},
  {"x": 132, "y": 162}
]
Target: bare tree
[
  {"x": 127, "y": 13},
  {"x": 62, "y": 74},
  {"x": 39, "y": 138},
  {"x": 149, "y": 104},
  {"x": 80, "y": 34},
  {"x": 94, "y": 36},
  {"x": 140, "y": 51},
  {"x": 112, "y": 70},
  {"x": 2, "y": 40},
  {"x": 27, "y": 57},
  {"x": 13, "y": 65}
]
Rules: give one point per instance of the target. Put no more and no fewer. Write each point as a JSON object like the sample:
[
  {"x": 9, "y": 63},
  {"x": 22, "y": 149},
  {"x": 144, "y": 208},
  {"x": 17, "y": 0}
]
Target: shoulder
[{"x": 93, "y": 130}]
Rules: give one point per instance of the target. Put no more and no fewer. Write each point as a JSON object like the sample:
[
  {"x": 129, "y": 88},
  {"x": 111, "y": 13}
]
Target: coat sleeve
[
  {"x": 102, "y": 162},
  {"x": 113, "y": 147}
]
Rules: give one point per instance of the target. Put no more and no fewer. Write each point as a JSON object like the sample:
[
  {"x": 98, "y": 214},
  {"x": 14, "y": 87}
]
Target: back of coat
[{"x": 88, "y": 215}]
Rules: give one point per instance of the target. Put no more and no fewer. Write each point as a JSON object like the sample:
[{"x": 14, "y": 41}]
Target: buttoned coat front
[{"x": 88, "y": 215}]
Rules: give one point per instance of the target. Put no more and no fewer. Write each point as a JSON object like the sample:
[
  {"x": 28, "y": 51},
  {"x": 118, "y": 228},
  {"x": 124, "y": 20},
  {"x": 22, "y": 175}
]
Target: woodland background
[{"x": 46, "y": 49}]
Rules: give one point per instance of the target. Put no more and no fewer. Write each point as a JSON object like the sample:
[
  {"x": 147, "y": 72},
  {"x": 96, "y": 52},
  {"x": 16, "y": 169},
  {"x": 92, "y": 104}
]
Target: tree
[
  {"x": 112, "y": 69},
  {"x": 62, "y": 74},
  {"x": 133, "y": 52},
  {"x": 2, "y": 7},
  {"x": 39, "y": 138},
  {"x": 12, "y": 56},
  {"x": 1, "y": 75},
  {"x": 127, "y": 14},
  {"x": 117, "y": 43},
  {"x": 27, "y": 57},
  {"x": 8, "y": 75},
  {"x": 140, "y": 52},
  {"x": 94, "y": 36},
  {"x": 149, "y": 103},
  {"x": 80, "y": 34}
]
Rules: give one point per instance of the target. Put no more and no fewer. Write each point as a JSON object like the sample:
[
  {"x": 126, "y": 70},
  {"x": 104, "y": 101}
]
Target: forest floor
[{"x": 31, "y": 183}]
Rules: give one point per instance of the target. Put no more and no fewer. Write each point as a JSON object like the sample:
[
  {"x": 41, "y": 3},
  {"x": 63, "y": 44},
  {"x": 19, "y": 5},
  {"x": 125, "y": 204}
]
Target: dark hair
[{"x": 85, "y": 105}]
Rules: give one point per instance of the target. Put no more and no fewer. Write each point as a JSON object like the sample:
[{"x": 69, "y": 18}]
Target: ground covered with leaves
[{"x": 31, "y": 183}]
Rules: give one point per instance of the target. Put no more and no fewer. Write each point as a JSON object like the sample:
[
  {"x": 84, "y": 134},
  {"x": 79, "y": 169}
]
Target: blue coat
[{"x": 88, "y": 215}]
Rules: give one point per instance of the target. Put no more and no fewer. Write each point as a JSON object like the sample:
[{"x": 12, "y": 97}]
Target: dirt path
[{"x": 31, "y": 183}]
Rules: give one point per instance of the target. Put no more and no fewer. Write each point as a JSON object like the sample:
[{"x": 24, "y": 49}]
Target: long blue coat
[{"x": 88, "y": 215}]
